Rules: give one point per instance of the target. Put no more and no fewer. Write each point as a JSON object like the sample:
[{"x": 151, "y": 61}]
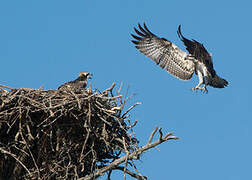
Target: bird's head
[{"x": 85, "y": 75}]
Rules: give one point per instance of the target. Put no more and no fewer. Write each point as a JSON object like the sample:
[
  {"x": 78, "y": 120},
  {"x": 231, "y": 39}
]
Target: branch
[
  {"x": 138, "y": 103},
  {"x": 132, "y": 155},
  {"x": 110, "y": 89},
  {"x": 4, "y": 86},
  {"x": 14, "y": 156},
  {"x": 152, "y": 135},
  {"x": 134, "y": 175}
]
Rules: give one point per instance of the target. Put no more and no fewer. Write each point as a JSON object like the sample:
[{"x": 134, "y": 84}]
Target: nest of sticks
[
  {"x": 50, "y": 134},
  {"x": 54, "y": 134}
]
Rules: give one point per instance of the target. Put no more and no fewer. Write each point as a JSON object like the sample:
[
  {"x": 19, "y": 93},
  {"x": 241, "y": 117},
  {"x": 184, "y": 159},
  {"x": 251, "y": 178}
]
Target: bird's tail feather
[{"x": 217, "y": 82}]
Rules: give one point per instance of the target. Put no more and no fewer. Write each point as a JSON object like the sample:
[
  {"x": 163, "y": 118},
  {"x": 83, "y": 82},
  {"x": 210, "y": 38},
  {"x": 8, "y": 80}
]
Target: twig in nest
[
  {"x": 14, "y": 156},
  {"x": 110, "y": 89},
  {"x": 27, "y": 147},
  {"x": 132, "y": 125},
  {"x": 4, "y": 86},
  {"x": 138, "y": 103}
]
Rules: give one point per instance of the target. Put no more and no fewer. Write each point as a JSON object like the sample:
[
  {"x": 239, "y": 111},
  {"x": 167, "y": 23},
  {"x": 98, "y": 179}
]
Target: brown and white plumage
[
  {"x": 78, "y": 84},
  {"x": 177, "y": 62}
]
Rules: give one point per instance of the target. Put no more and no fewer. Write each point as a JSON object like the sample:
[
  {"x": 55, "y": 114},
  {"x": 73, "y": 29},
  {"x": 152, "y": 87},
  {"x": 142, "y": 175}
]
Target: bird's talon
[{"x": 205, "y": 90}]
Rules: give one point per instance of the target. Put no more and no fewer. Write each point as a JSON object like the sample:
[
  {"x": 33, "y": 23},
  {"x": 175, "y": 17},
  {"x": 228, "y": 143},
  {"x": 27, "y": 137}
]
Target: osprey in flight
[
  {"x": 78, "y": 84},
  {"x": 177, "y": 62}
]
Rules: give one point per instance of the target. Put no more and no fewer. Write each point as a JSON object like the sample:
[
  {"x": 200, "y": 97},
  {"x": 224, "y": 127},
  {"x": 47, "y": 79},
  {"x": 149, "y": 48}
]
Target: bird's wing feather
[
  {"x": 65, "y": 85},
  {"x": 166, "y": 54},
  {"x": 198, "y": 51}
]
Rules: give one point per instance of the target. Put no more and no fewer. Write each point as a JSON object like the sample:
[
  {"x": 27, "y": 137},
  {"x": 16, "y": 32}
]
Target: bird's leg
[
  {"x": 204, "y": 89},
  {"x": 201, "y": 81},
  {"x": 197, "y": 87}
]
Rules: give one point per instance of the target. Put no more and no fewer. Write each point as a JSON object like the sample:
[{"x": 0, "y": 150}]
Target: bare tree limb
[
  {"x": 152, "y": 135},
  {"x": 132, "y": 155},
  {"x": 134, "y": 175}
]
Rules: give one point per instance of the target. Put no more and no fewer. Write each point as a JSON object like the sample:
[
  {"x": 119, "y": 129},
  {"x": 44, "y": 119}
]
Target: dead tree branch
[
  {"x": 133, "y": 155},
  {"x": 132, "y": 174}
]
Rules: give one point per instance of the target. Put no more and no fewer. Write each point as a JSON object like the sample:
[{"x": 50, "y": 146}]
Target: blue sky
[{"x": 49, "y": 42}]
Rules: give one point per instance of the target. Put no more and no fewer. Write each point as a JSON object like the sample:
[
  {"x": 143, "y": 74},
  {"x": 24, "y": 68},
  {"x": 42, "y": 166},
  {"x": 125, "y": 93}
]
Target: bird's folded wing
[
  {"x": 66, "y": 86},
  {"x": 166, "y": 54}
]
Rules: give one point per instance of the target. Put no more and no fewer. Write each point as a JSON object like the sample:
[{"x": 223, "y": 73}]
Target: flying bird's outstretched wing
[
  {"x": 198, "y": 51},
  {"x": 166, "y": 54}
]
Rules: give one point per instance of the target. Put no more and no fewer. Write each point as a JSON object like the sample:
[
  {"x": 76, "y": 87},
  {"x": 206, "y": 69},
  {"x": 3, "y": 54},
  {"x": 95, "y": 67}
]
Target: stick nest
[{"x": 50, "y": 134}]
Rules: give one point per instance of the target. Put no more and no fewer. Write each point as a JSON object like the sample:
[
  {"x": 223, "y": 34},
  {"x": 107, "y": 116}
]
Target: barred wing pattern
[{"x": 166, "y": 54}]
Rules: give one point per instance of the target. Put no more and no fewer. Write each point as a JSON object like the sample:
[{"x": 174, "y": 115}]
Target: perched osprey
[
  {"x": 78, "y": 84},
  {"x": 177, "y": 62}
]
